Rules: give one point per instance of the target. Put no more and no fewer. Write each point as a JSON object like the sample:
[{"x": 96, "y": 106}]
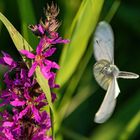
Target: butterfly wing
[
  {"x": 127, "y": 75},
  {"x": 108, "y": 103},
  {"x": 104, "y": 42}
]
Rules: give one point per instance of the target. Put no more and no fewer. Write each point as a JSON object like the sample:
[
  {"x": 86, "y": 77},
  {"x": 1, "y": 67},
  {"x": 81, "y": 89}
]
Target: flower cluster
[
  {"x": 25, "y": 118},
  {"x": 47, "y": 32},
  {"x": 23, "y": 93}
]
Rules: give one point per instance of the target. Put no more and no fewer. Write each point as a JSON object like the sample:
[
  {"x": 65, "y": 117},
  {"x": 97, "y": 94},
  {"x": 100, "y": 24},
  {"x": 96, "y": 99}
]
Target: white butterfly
[{"x": 105, "y": 72}]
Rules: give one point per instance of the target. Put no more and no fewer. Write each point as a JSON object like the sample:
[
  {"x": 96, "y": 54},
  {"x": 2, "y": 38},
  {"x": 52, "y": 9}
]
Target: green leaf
[
  {"x": 113, "y": 10},
  {"x": 17, "y": 38},
  {"x": 43, "y": 82},
  {"x": 81, "y": 30}
]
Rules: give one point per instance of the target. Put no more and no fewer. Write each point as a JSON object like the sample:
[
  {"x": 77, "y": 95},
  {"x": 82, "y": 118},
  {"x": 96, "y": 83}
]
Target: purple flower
[
  {"x": 14, "y": 129},
  {"x": 7, "y": 60},
  {"x": 40, "y": 59},
  {"x": 25, "y": 119},
  {"x": 38, "y": 30},
  {"x": 47, "y": 30},
  {"x": 45, "y": 124},
  {"x": 55, "y": 39},
  {"x": 26, "y": 98}
]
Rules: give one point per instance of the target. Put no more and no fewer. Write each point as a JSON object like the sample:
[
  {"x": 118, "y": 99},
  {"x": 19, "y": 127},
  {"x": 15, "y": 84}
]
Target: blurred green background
[{"x": 80, "y": 96}]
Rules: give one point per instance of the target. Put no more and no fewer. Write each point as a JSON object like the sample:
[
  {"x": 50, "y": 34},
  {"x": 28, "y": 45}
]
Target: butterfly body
[{"x": 104, "y": 71}]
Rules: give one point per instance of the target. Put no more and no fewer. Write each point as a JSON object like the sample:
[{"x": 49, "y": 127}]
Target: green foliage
[
  {"x": 81, "y": 29},
  {"x": 79, "y": 96}
]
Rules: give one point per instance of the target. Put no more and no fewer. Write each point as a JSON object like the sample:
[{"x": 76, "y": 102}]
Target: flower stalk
[{"x": 26, "y": 118}]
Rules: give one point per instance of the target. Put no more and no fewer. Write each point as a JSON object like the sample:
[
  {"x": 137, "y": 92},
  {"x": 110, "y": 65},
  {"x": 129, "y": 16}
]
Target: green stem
[{"x": 112, "y": 10}]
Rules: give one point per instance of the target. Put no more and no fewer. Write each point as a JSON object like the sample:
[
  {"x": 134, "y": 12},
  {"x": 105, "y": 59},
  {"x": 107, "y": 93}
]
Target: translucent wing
[
  {"x": 127, "y": 75},
  {"x": 104, "y": 42},
  {"x": 108, "y": 103}
]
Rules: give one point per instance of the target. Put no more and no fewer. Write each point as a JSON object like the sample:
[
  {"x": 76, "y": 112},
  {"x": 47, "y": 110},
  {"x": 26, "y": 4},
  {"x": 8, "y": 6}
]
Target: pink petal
[
  {"x": 36, "y": 113},
  {"x": 27, "y": 54},
  {"x": 39, "y": 47},
  {"x": 49, "y": 52},
  {"x": 8, "y": 134},
  {"x": 52, "y": 64},
  {"x": 7, "y": 124},
  {"x": 27, "y": 96},
  {"x": 32, "y": 69},
  {"x": 55, "y": 65},
  {"x": 23, "y": 112},
  {"x": 46, "y": 72},
  {"x": 51, "y": 80},
  {"x": 40, "y": 98},
  {"x": 17, "y": 102},
  {"x": 23, "y": 74},
  {"x": 8, "y": 60},
  {"x": 60, "y": 40},
  {"x": 41, "y": 29}
]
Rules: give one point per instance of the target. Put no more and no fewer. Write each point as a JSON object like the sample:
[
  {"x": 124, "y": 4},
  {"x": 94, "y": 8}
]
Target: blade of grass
[
  {"x": 70, "y": 8},
  {"x": 113, "y": 10},
  {"x": 131, "y": 126},
  {"x": 83, "y": 27}
]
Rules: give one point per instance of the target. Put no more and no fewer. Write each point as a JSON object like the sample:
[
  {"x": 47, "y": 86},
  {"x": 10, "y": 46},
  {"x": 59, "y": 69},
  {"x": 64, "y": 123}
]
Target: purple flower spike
[{"x": 26, "y": 118}]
